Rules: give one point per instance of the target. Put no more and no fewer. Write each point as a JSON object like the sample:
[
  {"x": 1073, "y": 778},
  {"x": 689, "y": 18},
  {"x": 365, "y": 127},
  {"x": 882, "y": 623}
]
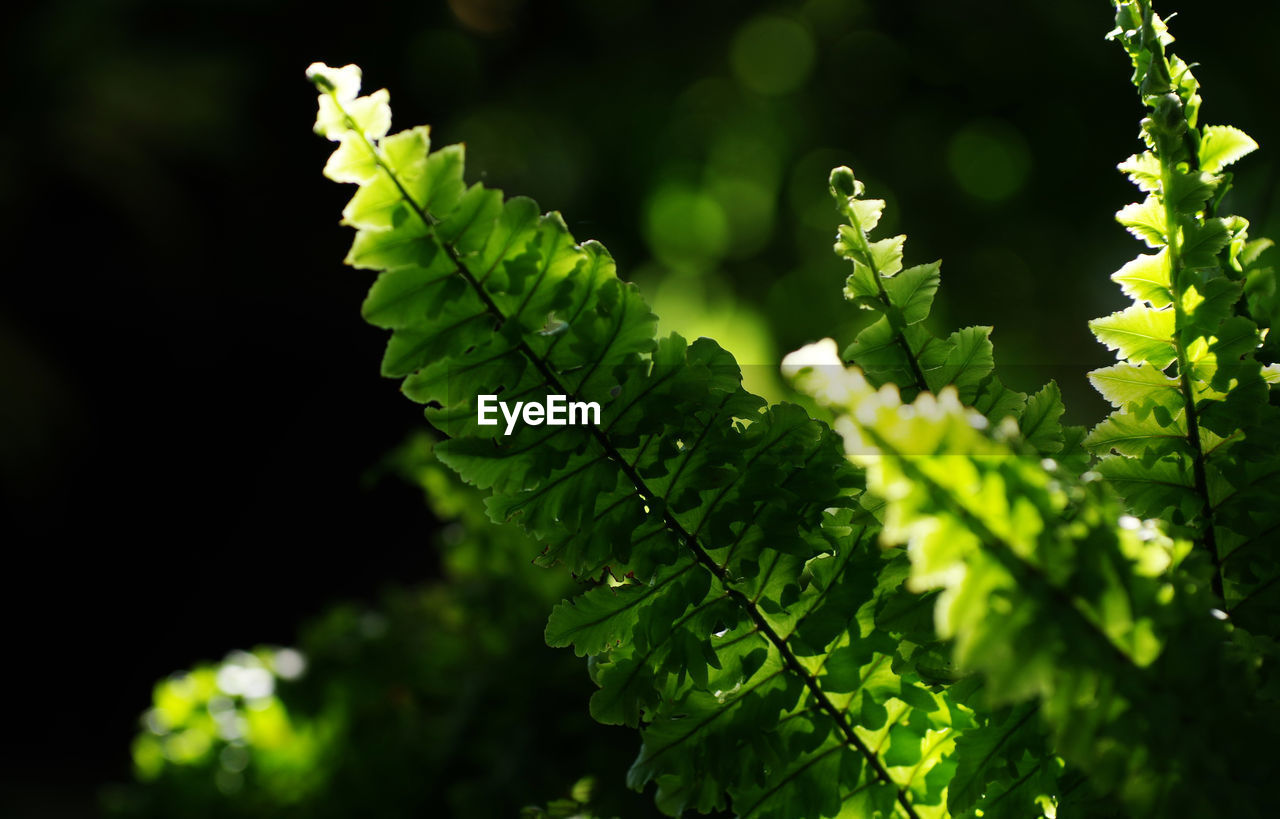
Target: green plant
[
  {"x": 938, "y": 604},
  {"x": 401, "y": 708}
]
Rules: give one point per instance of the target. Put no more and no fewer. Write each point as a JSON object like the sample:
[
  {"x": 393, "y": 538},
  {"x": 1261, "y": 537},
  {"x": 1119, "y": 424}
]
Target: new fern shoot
[{"x": 934, "y": 599}]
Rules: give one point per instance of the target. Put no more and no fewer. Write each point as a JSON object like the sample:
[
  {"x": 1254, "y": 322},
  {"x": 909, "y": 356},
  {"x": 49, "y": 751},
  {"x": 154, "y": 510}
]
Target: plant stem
[{"x": 1208, "y": 540}]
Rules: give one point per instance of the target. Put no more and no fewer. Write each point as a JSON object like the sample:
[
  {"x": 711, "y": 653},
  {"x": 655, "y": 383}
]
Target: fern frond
[
  {"x": 1193, "y": 433},
  {"x": 721, "y": 620},
  {"x": 897, "y": 348}
]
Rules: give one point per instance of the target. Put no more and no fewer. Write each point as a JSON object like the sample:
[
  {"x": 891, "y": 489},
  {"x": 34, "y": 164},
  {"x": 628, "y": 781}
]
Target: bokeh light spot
[
  {"x": 234, "y": 758},
  {"x": 289, "y": 664},
  {"x": 772, "y": 55},
  {"x": 989, "y": 160},
  {"x": 685, "y": 227}
]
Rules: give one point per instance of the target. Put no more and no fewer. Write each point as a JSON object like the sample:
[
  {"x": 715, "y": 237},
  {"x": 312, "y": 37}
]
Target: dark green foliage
[{"x": 937, "y": 606}]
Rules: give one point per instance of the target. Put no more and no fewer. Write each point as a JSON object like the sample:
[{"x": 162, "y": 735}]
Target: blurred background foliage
[
  {"x": 191, "y": 409},
  {"x": 438, "y": 700}
]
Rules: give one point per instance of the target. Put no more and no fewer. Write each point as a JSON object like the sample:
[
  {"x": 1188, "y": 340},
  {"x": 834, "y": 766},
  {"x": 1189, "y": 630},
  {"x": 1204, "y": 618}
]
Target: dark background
[{"x": 190, "y": 407}]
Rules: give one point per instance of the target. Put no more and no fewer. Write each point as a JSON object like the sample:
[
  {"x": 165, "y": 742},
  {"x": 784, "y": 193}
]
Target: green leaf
[
  {"x": 884, "y": 353},
  {"x": 997, "y": 402},
  {"x": 983, "y": 776},
  {"x": 1202, "y": 242},
  {"x": 884, "y": 256},
  {"x": 1222, "y": 145},
  {"x": 1146, "y": 221},
  {"x": 1146, "y": 278},
  {"x": 1149, "y": 489},
  {"x": 912, "y": 290},
  {"x": 968, "y": 361},
  {"x": 605, "y": 616},
  {"x": 1125, "y": 385},
  {"x": 1135, "y": 436},
  {"x": 1206, "y": 306},
  {"x": 1139, "y": 334},
  {"x": 1143, "y": 170},
  {"x": 1041, "y": 423},
  {"x": 1190, "y": 190},
  {"x": 1252, "y": 250}
]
